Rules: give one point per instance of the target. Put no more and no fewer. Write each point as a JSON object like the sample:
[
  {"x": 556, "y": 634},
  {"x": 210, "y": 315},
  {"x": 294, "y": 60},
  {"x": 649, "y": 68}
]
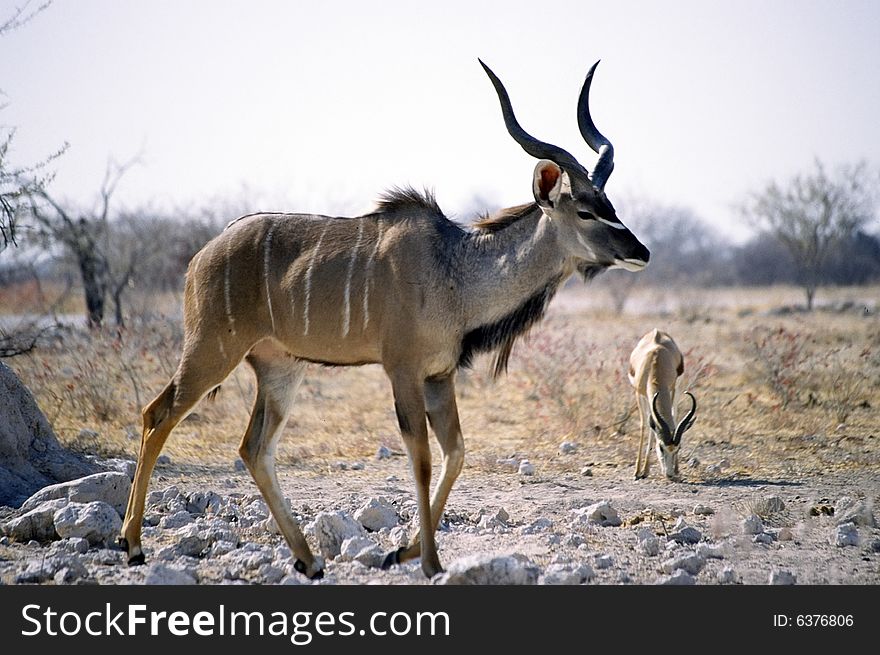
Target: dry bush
[
  {"x": 840, "y": 378},
  {"x": 778, "y": 358},
  {"x": 577, "y": 386}
]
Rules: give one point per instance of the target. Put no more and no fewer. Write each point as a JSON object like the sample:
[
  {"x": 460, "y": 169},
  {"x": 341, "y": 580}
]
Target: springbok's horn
[
  {"x": 687, "y": 421},
  {"x": 665, "y": 432}
]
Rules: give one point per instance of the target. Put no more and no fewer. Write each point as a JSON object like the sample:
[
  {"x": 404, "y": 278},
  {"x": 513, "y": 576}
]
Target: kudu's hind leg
[
  {"x": 278, "y": 377},
  {"x": 409, "y": 402},
  {"x": 196, "y": 376},
  {"x": 443, "y": 415}
]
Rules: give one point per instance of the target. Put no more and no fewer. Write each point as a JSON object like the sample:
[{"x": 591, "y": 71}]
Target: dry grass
[{"x": 567, "y": 382}]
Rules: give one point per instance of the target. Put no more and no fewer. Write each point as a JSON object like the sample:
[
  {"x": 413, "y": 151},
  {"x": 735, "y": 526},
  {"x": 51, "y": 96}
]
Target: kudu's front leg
[
  {"x": 443, "y": 415},
  {"x": 409, "y": 403}
]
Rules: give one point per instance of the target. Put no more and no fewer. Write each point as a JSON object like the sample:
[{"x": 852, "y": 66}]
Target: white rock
[
  {"x": 256, "y": 510},
  {"x": 703, "y": 510},
  {"x": 352, "y": 546},
  {"x": 220, "y": 548},
  {"x": 331, "y": 529},
  {"x": 568, "y": 447},
  {"x": 295, "y": 579},
  {"x": 686, "y": 535},
  {"x": 764, "y": 538},
  {"x": 601, "y": 513},
  {"x": 565, "y": 574},
  {"x": 96, "y": 521},
  {"x": 845, "y": 535},
  {"x": 649, "y": 546},
  {"x": 37, "y": 524},
  {"x": 46, "y": 568},
  {"x": 176, "y": 520},
  {"x": 602, "y": 561},
  {"x": 847, "y": 510},
  {"x": 691, "y": 563},
  {"x": 111, "y": 488},
  {"x": 158, "y": 573},
  {"x": 190, "y": 540},
  {"x": 72, "y": 546},
  {"x": 270, "y": 574},
  {"x": 496, "y": 521},
  {"x": 126, "y": 466},
  {"x": 537, "y": 526},
  {"x": 752, "y": 524},
  {"x": 680, "y": 577},
  {"x": 357, "y": 466},
  {"x": 711, "y": 551},
  {"x": 361, "y": 549},
  {"x": 489, "y": 569},
  {"x": 201, "y": 502},
  {"x": 728, "y": 575},
  {"x": 780, "y": 577},
  {"x": 526, "y": 467},
  {"x": 573, "y": 540},
  {"x": 377, "y": 513},
  {"x": 587, "y": 471},
  {"x": 399, "y": 536}
]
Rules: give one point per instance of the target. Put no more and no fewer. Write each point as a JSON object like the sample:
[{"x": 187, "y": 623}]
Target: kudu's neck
[{"x": 504, "y": 269}]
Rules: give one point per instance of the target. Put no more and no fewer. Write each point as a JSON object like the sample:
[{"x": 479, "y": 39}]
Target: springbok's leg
[
  {"x": 197, "y": 373},
  {"x": 278, "y": 377},
  {"x": 443, "y": 416},
  {"x": 639, "y": 457},
  {"x": 409, "y": 402}
]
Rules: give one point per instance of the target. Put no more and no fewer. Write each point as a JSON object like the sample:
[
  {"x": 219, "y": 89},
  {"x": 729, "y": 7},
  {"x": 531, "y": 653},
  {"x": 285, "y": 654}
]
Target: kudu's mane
[{"x": 503, "y": 218}]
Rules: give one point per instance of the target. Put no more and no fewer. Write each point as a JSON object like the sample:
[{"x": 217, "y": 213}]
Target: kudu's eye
[{"x": 587, "y": 216}]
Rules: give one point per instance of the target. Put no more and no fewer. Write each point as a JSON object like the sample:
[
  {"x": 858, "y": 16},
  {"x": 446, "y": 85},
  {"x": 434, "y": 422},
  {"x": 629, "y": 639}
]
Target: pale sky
[{"x": 319, "y": 106}]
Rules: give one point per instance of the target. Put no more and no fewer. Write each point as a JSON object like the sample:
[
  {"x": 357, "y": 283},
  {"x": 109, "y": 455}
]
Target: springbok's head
[
  {"x": 669, "y": 439},
  {"x": 574, "y": 198}
]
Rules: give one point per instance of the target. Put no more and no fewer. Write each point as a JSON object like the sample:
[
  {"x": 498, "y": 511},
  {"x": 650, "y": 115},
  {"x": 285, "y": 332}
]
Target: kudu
[
  {"x": 403, "y": 287},
  {"x": 655, "y": 365}
]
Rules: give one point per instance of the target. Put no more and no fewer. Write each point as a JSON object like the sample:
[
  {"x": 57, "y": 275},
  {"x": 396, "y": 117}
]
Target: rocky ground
[{"x": 515, "y": 524}]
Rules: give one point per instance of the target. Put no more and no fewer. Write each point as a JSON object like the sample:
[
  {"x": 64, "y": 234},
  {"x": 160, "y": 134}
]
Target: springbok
[
  {"x": 655, "y": 365},
  {"x": 403, "y": 287}
]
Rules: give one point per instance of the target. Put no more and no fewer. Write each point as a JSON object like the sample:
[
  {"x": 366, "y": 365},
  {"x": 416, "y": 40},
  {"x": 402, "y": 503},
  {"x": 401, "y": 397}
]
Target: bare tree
[
  {"x": 18, "y": 182},
  {"x": 84, "y": 236},
  {"x": 812, "y": 214}
]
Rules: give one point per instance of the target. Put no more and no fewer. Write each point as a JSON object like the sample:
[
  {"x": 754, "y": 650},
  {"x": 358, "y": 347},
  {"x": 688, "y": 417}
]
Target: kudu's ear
[{"x": 547, "y": 184}]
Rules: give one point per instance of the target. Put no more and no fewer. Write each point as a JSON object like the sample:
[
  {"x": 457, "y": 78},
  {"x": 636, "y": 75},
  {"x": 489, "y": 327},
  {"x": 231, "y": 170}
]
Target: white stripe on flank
[
  {"x": 222, "y": 349},
  {"x": 194, "y": 277},
  {"x": 369, "y": 270},
  {"x": 267, "y": 244},
  {"x": 346, "y": 313},
  {"x": 227, "y": 296},
  {"x": 308, "y": 283}
]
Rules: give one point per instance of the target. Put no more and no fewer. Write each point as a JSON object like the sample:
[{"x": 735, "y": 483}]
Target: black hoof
[
  {"x": 300, "y": 567},
  {"x": 392, "y": 558},
  {"x": 136, "y": 560},
  {"x": 122, "y": 543}
]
